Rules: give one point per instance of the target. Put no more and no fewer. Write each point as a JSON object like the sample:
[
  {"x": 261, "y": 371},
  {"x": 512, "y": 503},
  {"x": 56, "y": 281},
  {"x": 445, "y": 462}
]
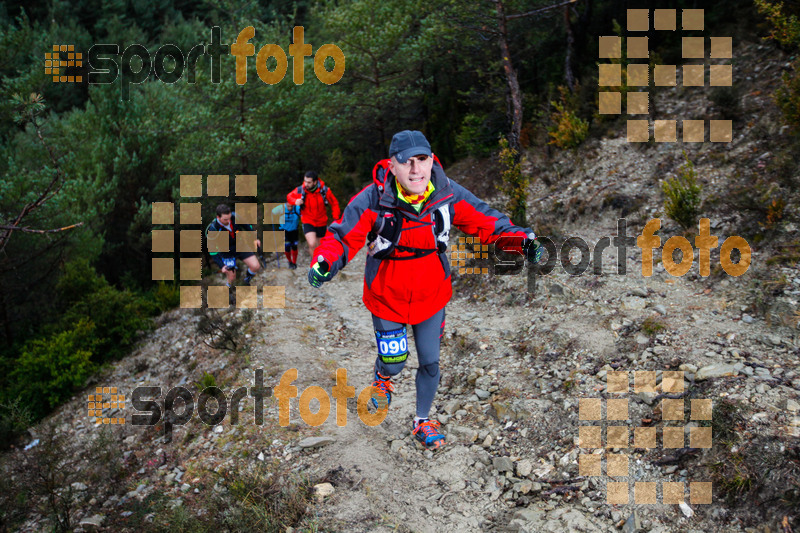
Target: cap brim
[{"x": 403, "y": 156}]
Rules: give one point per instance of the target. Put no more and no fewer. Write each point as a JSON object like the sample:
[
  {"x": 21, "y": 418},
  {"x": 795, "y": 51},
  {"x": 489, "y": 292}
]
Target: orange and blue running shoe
[
  {"x": 382, "y": 389},
  {"x": 427, "y": 433}
]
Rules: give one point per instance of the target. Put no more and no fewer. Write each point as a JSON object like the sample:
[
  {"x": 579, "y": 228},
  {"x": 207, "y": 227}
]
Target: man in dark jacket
[{"x": 226, "y": 221}]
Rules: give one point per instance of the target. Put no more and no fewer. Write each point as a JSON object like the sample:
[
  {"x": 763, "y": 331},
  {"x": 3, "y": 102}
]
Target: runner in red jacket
[
  {"x": 405, "y": 217},
  {"x": 312, "y": 197}
]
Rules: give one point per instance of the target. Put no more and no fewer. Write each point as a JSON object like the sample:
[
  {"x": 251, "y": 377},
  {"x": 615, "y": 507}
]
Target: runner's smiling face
[
  {"x": 414, "y": 174},
  {"x": 225, "y": 220}
]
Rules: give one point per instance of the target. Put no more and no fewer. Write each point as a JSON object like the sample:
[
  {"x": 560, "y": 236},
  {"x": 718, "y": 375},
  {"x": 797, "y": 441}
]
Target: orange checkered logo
[
  {"x": 628, "y": 75},
  {"x": 618, "y": 437},
  {"x": 468, "y": 248},
  {"x": 190, "y": 242},
  {"x": 106, "y": 406},
  {"x": 59, "y": 60}
]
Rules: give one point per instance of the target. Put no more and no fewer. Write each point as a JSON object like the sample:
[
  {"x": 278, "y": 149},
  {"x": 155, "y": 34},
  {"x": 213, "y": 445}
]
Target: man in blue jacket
[{"x": 290, "y": 214}]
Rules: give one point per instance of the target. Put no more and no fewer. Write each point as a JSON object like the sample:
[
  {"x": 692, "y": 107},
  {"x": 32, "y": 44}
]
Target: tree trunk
[
  {"x": 515, "y": 95},
  {"x": 583, "y": 24},
  {"x": 9, "y": 336},
  {"x": 569, "y": 77},
  {"x": 242, "y": 128}
]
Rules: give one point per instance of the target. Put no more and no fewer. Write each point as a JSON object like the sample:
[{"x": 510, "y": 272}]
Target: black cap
[{"x": 408, "y": 143}]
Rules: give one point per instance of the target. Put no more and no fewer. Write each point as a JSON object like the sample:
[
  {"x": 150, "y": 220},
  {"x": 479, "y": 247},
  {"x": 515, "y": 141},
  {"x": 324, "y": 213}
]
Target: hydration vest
[
  {"x": 323, "y": 191},
  {"x": 384, "y": 237}
]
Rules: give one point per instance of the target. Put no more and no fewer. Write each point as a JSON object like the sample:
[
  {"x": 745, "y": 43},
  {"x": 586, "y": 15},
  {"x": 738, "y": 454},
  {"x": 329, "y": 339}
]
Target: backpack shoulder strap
[
  {"x": 379, "y": 173},
  {"x": 441, "y": 227}
]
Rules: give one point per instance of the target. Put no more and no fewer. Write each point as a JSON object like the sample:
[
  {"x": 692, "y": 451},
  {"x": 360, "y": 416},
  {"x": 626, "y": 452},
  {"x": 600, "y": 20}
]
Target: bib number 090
[{"x": 393, "y": 347}]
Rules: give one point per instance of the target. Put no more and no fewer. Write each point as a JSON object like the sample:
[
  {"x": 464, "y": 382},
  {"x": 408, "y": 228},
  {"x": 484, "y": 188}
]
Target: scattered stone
[
  {"x": 530, "y": 514},
  {"x": 323, "y": 490},
  {"x": 632, "y": 524},
  {"x": 94, "y": 520},
  {"x": 177, "y": 502},
  {"x": 639, "y": 291},
  {"x": 218, "y": 429},
  {"x": 503, "y": 464},
  {"x": 717, "y": 370},
  {"x": 185, "y": 487},
  {"x": 686, "y": 510},
  {"x": 747, "y": 319},
  {"x": 524, "y": 468},
  {"x": 79, "y": 486},
  {"x": 502, "y": 409},
  {"x": 792, "y": 406},
  {"x": 647, "y": 397},
  {"x": 660, "y": 309},
  {"x": 482, "y": 394},
  {"x": 555, "y": 289},
  {"x": 634, "y": 303},
  {"x": 316, "y": 442},
  {"x": 452, "y": 406},
  {"x": 462, "y": 433}
]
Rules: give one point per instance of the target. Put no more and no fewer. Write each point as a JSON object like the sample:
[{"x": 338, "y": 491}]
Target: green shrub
[
  {"x": 15, "y": 417},
  {"x": 787, "y": 97},
  {"x": 475, "y": 137},
  {"x": 568, "y": 130},
  {"x": 78, "y": 280},
  {"x": 652, "y": 326},
  {"x": 513, "y": 183},
  {"x": 682, "y": 196},
  {"x": 785, "y": 30},
  {"x": 264, "y": 497},
  {"x": 208, "y": 380},
  {"x": 50, "y": 370},
  {"x": 166, "y": 296},
  {"x": 336, "y": 175},
  {"x": 118, "y": 315},
  {"x": 726, "y": 100}
]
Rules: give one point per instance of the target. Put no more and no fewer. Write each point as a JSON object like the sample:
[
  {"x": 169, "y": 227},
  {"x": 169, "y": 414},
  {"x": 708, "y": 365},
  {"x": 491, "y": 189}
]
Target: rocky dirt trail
[{"x": 515, "y": 367}]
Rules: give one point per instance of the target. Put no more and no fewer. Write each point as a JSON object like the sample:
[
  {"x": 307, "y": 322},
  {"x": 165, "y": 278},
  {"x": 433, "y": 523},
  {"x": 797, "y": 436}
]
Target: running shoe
[
  {"x": 382, "y": 389},
  {"x": 427, "y": 433}
]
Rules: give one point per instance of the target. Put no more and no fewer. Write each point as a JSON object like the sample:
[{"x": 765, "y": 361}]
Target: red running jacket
[
  {"x": 411, "y": 291},
  {"x": 313, "y": 209}
]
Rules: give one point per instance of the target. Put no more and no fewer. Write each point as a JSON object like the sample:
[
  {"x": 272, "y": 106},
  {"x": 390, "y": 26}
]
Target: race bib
[{"x": 392, "y": 345}]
